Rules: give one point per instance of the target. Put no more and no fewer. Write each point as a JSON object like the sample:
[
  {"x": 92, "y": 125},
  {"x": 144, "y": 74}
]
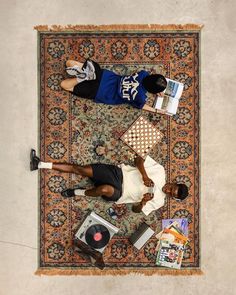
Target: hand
[
  {"x": 148, "y": 182},
  {"x": 146, "y": 198},
  {"x": 137, "y": 208}
]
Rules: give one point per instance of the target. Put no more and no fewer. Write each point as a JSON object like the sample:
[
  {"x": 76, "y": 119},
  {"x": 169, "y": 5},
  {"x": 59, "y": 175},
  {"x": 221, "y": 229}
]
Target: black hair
[
  {"x": 154, "y": 83},
  {"x": 182, "y": 191}
]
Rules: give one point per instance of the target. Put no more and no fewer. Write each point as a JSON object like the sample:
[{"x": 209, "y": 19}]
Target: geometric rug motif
[{"x": 79, "y": 131}]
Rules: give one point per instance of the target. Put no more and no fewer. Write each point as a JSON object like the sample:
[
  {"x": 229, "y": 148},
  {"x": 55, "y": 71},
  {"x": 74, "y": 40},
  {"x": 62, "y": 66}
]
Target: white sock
[
  {"x": 80, "y": 192},
  {"x": 45, "y": 165},
  {"x": 79, "y": 80}
]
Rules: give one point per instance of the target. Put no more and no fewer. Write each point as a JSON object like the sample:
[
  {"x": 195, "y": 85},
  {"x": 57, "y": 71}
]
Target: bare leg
[
  {"x": 69, "y": 84},
  {"x": 71, "y": 63},
  {"x": 102, "y": 190},
  {"x": 86, "y": 171}
]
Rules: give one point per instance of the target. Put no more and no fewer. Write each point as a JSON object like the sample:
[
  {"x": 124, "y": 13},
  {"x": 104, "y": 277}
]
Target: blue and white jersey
[{"x": 115, "y": 89}]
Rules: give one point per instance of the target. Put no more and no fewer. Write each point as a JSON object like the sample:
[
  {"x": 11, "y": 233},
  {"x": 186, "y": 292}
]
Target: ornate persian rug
[{"x": 79, "y": 131}]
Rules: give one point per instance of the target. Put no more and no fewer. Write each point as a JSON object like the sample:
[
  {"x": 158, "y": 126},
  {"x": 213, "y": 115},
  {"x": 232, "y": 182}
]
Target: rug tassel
[
  {"x": 87, "y": 272},
  {"x": 167, "y": 27}
]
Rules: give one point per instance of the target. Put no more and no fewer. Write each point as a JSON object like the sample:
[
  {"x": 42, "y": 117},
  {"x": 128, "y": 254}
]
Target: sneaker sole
[
  {"x": 75, "y": 72},
  {"x": 64, "y": 196},
  {"x": 32, "y": 155}
]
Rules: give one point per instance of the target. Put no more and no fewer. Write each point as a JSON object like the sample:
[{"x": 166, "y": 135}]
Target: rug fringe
[
  {"x": 120, "y": 272},
  {"x": 117, "y": 27}
]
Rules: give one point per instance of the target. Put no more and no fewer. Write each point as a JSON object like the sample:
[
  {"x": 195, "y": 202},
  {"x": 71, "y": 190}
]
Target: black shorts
[
  {"x": 88, "y": 89},
  {"x": 110, "y": 175}
]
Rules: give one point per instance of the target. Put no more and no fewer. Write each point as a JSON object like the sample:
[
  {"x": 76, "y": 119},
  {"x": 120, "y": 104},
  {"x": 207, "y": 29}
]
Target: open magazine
[
  {"x": 170, "y": 101},
  {"x": 170, "y": 254}
]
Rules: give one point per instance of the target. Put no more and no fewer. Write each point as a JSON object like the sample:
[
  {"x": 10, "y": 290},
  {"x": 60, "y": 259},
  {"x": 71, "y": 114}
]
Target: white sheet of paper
[
  {"x": 172, "y": 106},
  {"x": 159, "y": 102}
]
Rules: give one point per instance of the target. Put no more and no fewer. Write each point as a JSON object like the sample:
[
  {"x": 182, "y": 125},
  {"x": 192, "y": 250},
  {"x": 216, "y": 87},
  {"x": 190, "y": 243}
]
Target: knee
[
  {"x": 107, "y": 190},
  {"x": 64, "y": 85}
]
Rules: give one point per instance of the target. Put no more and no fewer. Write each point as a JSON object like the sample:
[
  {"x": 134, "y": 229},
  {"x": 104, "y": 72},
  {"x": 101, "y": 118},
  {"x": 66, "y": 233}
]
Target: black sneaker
[
  {"x": 68, "y": 193},
  {"x": 99, "y": 263},
  {"x": 34, "y": 160}
]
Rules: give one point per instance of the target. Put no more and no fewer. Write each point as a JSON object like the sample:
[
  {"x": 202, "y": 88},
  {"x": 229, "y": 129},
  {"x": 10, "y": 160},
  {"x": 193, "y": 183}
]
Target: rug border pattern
[{"x": 122, "y": 28}]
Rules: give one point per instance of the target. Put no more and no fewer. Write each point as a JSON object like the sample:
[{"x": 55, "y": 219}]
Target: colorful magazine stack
[
  {"x": 171, "y": 245},
  {"x": 181, "y": 223}
]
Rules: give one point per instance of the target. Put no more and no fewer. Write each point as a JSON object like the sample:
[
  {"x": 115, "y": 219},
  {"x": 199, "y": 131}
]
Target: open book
[{"x": 170, "y": 101}]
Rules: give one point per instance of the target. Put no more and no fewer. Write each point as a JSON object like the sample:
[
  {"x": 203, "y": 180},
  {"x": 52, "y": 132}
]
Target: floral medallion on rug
[{"x": 76, "y": 130}]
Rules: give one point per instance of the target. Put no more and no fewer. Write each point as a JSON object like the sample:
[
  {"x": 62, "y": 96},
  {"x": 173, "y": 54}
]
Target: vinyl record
[{"x": 97, "y": 236}]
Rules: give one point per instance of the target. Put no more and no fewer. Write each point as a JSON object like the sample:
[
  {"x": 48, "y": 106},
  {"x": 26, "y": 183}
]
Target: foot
[
  {"x": 68, "y": 193},
  {"x": 34, "y": 160},
  {"x": 77, "y": 72},
  {"x": 100, "y": 263}
]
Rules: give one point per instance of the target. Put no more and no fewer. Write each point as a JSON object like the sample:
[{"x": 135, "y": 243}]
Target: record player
[{"x": 96, "y": 232}]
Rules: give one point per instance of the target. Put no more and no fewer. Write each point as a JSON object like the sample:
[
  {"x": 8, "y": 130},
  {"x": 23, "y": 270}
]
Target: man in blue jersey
[{"x": 104, "y": 86}]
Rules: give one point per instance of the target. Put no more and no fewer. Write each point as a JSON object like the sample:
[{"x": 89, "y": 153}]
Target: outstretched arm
[
  {"x": 139, "y": 162},
  {"x": 147, "y": 108}
]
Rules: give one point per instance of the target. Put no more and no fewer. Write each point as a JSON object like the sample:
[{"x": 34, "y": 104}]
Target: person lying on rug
[
  {"x": 104, "y": 86},
  {"x": 124, "y": 184}
]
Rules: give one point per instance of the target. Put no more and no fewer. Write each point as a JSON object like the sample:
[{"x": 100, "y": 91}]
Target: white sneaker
[
  {"x": 77, "y": 72},
  {"x": 90, "y": 70}
]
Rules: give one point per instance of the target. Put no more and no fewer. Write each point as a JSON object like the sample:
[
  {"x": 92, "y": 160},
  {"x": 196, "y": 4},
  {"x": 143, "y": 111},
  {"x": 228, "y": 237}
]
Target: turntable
[{"x": 96, "y": 232}]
